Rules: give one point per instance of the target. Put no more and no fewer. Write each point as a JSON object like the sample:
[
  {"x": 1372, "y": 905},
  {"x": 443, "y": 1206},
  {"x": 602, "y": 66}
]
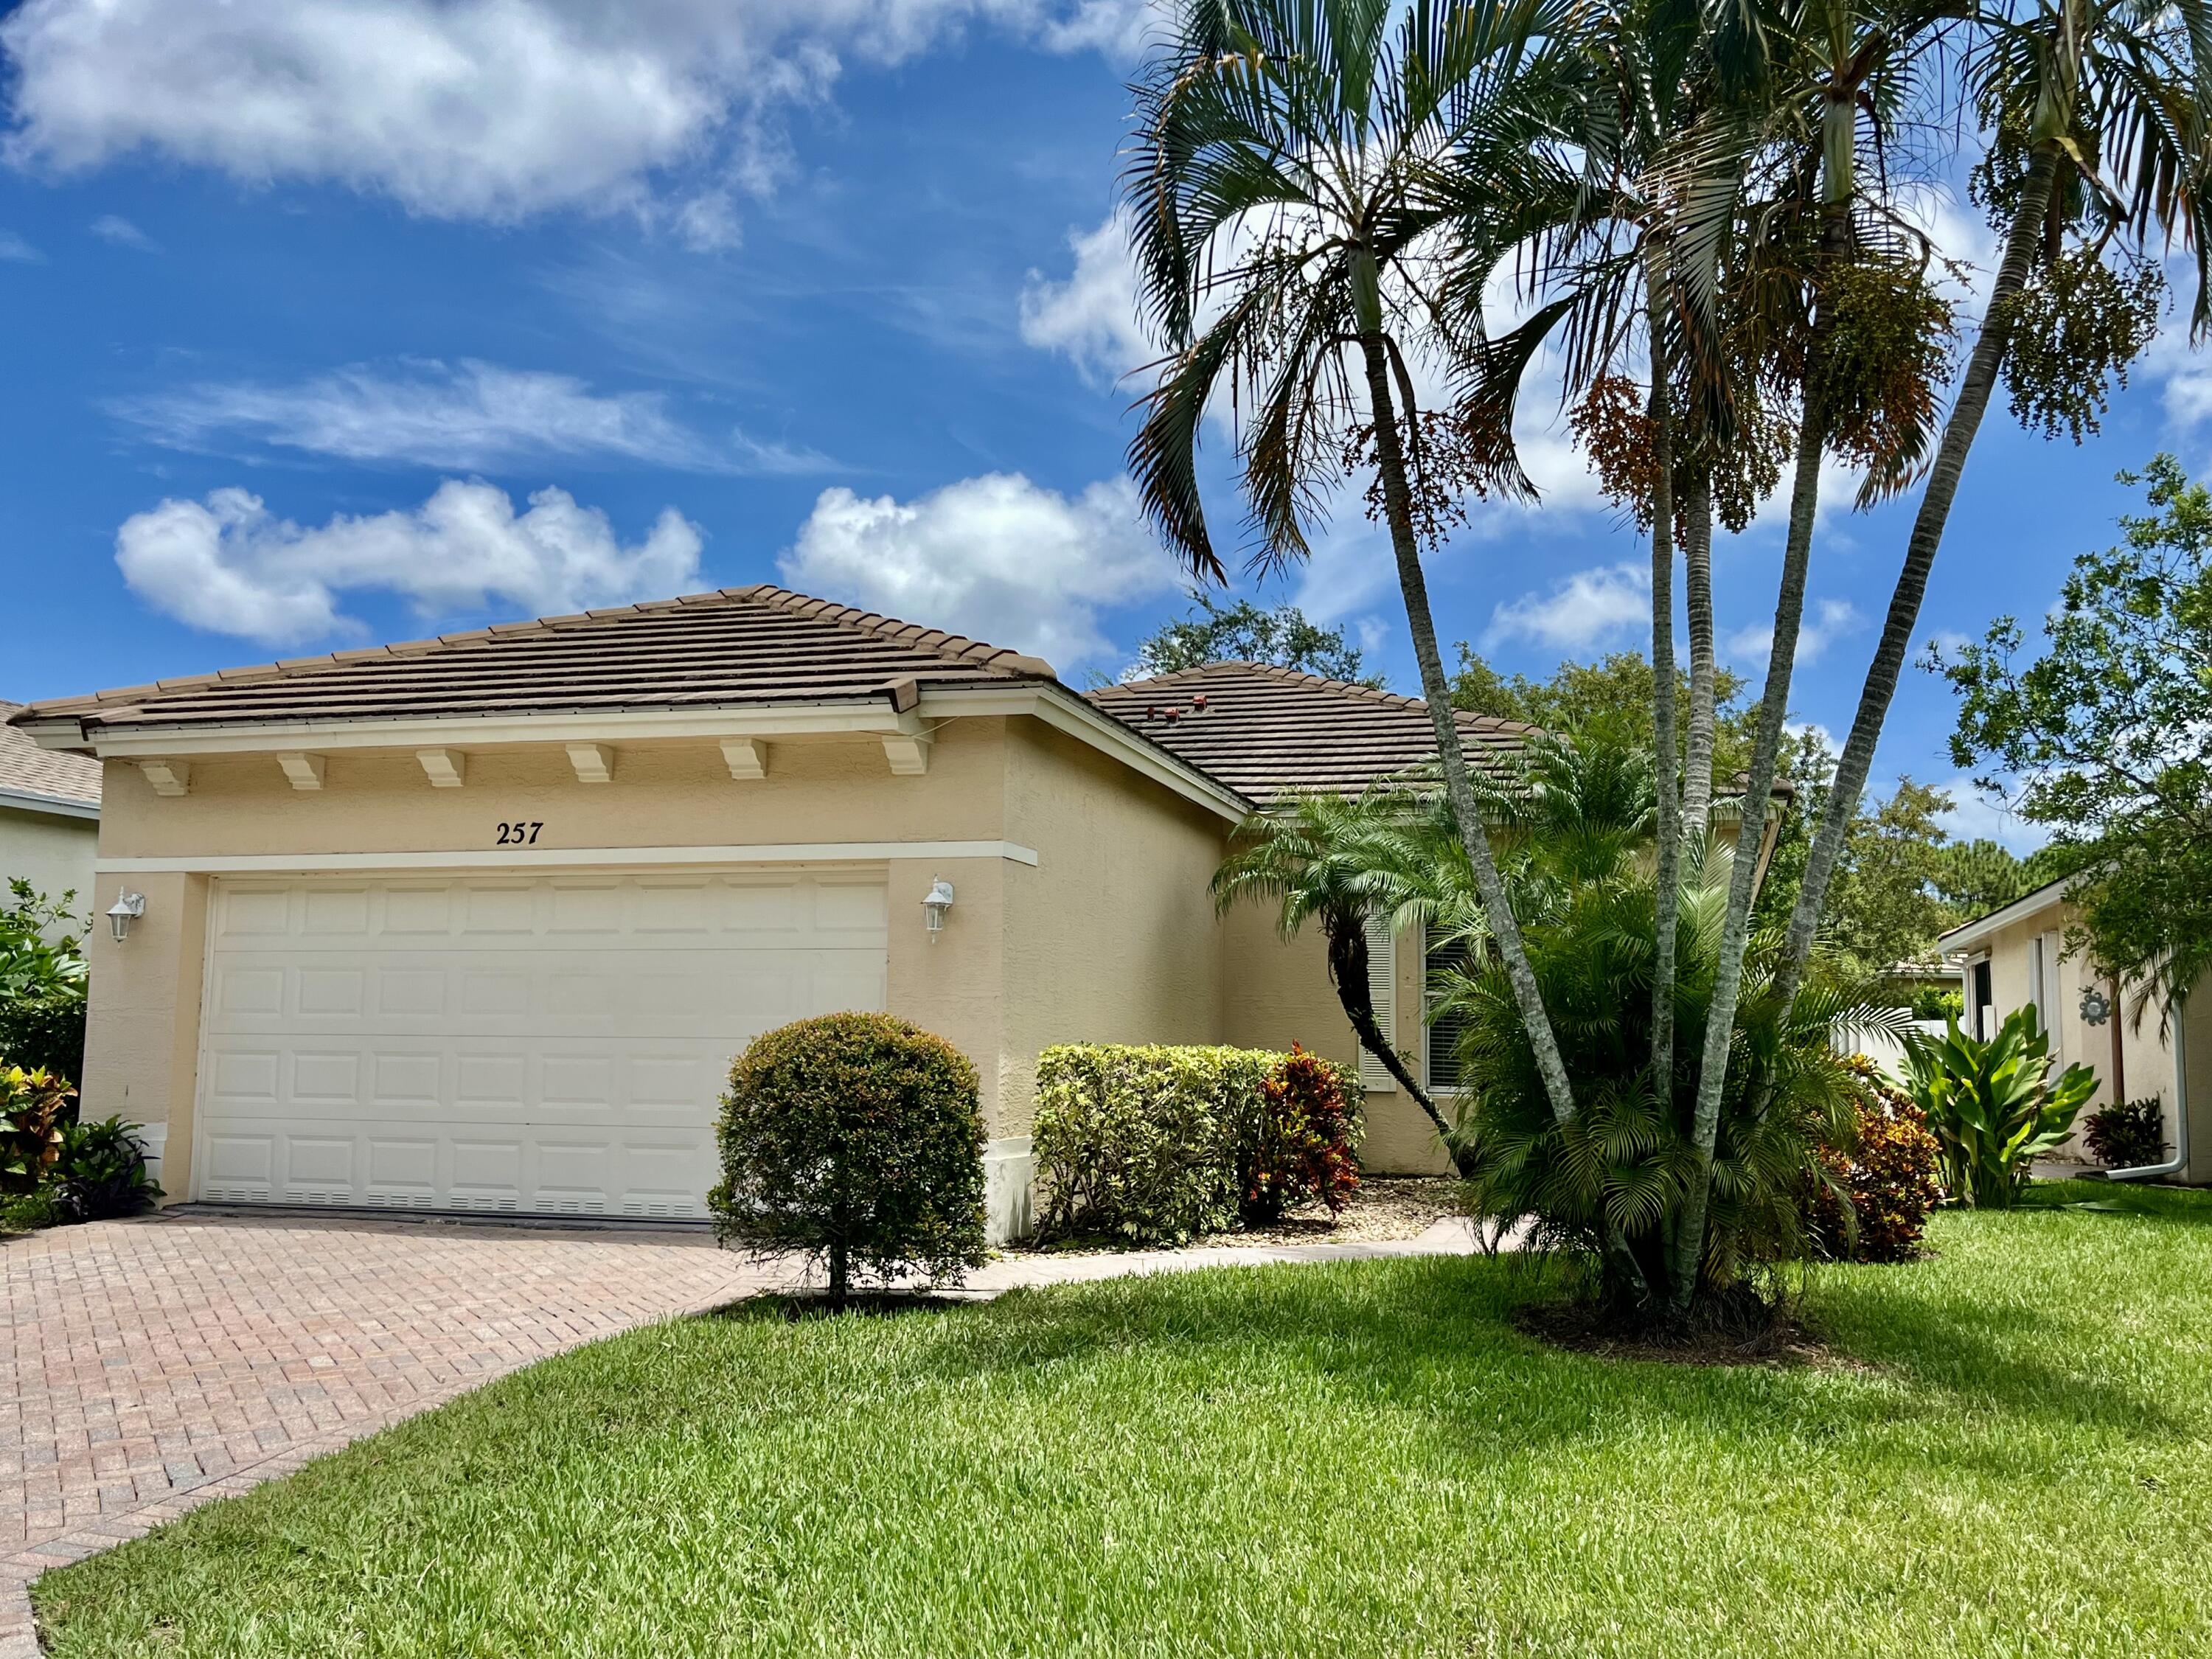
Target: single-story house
[
  {"x": 476, "y": 923},
  {"x": 49, "y": 815},
  {"x": 2015, "y": 957}
]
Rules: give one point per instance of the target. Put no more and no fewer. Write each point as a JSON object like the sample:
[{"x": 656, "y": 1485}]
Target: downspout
[{"x": 2178, "y": 1164}]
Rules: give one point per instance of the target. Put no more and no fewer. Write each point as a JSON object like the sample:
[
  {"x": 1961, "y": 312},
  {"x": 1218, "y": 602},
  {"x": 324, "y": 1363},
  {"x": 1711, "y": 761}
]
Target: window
[
  {"x": 2042, "y": 952},
  {"x": 1983, "y": 996},
  {"x": 1440, "y": 956},
  {"x": 1382, "y": 992}
]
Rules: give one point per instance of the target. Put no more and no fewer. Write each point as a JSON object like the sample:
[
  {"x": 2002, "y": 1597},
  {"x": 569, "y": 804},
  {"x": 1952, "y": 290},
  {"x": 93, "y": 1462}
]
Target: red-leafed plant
[
  {"x": 1888, "y": 1177},
  {"x": 1302, "y": 1145}
]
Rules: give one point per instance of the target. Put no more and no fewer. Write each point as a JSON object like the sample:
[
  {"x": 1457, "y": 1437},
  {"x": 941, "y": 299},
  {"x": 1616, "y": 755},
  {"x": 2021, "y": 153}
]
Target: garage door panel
[{"x": 553, "y": 1046}]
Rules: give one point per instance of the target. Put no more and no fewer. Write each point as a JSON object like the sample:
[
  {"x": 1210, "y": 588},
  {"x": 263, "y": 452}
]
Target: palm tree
[
  {"x": 1321, "y": 858},
  {"x": 1611, "y": 1181},
  {"x": 2098, "y": 119},
  {"x": 1846, "y": 45},
  {"x": 1290, "y": 237}
]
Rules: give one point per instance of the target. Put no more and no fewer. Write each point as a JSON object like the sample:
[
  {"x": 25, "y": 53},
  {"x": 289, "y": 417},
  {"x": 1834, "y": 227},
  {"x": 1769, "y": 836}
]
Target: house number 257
[{"x": 519, "y": 834}]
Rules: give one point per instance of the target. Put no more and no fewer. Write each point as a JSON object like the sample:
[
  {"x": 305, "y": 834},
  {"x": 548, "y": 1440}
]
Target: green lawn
[{"x": 1358, "y": 1458}]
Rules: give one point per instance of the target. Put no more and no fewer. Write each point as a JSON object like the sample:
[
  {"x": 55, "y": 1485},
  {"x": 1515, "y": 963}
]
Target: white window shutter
[{"x": 1382, "y": 992}]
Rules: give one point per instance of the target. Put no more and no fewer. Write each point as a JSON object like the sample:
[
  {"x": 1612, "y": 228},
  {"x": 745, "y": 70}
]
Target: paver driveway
[{"x": 150, "y": 1366}]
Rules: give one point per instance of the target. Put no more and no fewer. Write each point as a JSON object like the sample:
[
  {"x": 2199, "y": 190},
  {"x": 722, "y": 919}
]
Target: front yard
[{"x": 2010, "y": 1451}]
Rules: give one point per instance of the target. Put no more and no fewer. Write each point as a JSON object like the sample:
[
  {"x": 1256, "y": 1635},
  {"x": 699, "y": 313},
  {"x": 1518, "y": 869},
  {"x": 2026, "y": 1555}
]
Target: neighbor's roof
[
  {"x": 740, "y": 645},
  {"x": 32, "y": 777},
  {"x": 1268, "y": 731}
]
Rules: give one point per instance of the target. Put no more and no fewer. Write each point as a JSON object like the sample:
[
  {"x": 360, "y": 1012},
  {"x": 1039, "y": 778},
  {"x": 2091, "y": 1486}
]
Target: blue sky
[{"x": 340, "y": 324}]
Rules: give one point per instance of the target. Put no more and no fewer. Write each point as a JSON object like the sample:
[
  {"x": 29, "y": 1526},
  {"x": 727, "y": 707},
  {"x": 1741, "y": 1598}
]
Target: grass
[{"x": 1353, "y": 1459}]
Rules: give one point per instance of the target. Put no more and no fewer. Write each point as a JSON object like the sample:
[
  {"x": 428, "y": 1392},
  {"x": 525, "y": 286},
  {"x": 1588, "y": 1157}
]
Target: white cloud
[
  {"x": 15, "y": 247},
  {"x": 114, "y": 228},
  {"x": 476, "y": 109},
  {"x": 1974, "y": 816},
  {"x": 1830, "y": 620},
  {"x": 1586, "y": 609},
  {"x": 230, "y": 566},
  {"x": 996, "y": 557},
  {"x": 474, "y": 416},
  {"x": 1092, "y": 316}
]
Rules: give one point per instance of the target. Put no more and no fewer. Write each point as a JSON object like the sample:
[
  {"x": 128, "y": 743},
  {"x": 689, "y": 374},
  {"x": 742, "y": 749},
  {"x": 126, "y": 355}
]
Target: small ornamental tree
[{"x": 857, "y": 1141}]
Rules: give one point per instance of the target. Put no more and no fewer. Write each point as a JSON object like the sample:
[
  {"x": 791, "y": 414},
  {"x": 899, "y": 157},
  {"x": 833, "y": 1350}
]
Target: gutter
[{"x": 2178, "y": 1164}]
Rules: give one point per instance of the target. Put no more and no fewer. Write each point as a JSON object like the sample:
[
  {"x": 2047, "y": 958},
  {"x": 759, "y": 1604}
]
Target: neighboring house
[
  {"x": 49, "y": 815},
  {"x": 2015, "y": 957},
  {"x": 477, "y": 923}
]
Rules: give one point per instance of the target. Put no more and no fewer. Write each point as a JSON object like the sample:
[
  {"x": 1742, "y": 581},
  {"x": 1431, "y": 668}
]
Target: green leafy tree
[
  {"x": 1613, "y": 697},
  {"x": 2106, "y": 738},
  {"x": 1212, "y": 632}
]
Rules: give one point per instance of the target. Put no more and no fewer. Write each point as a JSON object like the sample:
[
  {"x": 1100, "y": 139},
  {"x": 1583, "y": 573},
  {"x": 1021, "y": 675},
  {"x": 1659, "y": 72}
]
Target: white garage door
[{"x": 552, "y": 1045}]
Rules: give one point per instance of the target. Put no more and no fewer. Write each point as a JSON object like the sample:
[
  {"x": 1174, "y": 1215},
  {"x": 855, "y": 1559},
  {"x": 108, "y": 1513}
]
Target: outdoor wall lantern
[
  {"x": 127, "y": 908},
  {"x": 2096, "y": 1006},
  {"x": 934, "y": 907}
]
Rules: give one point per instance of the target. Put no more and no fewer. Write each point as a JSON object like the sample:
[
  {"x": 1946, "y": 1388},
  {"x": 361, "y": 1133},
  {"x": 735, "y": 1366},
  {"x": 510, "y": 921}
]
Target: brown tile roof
[
  {"x": 1268, "y": 731},
  {"x": 741, "y": 645},
  {"x": 28, "y": 769}
]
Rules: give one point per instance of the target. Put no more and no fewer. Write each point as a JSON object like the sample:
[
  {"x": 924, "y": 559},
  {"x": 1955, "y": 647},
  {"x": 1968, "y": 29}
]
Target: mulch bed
[{"x": 1583, "y": 1328}]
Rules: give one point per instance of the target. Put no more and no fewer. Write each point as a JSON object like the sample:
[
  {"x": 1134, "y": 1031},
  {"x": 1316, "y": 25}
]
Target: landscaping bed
[{"x": 1355, "y": 1458}]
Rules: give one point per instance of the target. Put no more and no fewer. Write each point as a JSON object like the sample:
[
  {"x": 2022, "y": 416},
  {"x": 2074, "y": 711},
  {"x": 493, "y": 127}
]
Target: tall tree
[
  {"x": 1288, "y": 223},
  {"x": 1210, "y": 631},
  {"x": 2106, "y": 738},
  {"x": 2095, "y": 112}
]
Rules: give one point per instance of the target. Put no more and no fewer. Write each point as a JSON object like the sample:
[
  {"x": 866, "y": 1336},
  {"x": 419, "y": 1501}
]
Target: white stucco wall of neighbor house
[{"x": 51, "y": 851}]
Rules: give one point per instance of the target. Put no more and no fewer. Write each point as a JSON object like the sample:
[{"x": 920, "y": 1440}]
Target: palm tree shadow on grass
[{"x": 1439, "y": 1337}]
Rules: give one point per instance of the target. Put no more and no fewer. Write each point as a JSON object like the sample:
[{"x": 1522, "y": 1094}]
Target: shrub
[
  {"x": 1932, "y": 1002},
  {"x": 42, "y": 981},
  {"x": 857, "y": 1140},
  {"x": 2130, "y": 1135},
  {"x": 101, "y": 1172},
  {"x": 1139, "y": 1141},
  {"x": 1874, "y": 1204},
  {"x": 26, "y": 1212},
  {"x": 1993, "y": 1106},
  {"x": 34, "y": 1109},
  {"x": 1157, "y": 1145},
  {"x": 1299, "y": 1144}
]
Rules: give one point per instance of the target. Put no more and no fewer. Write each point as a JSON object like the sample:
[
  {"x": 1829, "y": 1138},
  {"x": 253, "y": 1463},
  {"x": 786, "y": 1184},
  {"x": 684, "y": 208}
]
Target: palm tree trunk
[
  {"x": 1698, "y": 585},
  {"x": 2021, "y": 238},
  {"x": 1736, "y": 927},
  {"x": 1348, "y": 961},
  {"x": 1504, "y": 930},
  {"x": 1667, "y": 893}
]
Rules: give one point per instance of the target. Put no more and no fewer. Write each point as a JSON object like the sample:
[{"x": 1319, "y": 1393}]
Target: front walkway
[{"x": 148, "y": 1366}]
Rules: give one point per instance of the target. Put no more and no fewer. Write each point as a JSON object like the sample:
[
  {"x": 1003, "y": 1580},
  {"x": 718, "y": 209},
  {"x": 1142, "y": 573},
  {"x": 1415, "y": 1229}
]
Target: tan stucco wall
[
  {"x": 671, "y": 794},
  {"x": 2146, "y": 1055},
  {"x": 1111, "y": 936},
  {"x": 54, "y": 854},
  {"x": 142, "y": 1030}
]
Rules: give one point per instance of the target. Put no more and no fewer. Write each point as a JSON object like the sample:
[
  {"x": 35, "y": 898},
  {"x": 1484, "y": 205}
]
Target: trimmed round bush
[{"x": 857, "y": 1141}]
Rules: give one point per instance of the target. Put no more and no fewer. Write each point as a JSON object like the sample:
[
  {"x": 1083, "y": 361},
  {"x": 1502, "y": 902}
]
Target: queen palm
[
  {"x": 1291, "y": 244},
  {"x": 2099, "y": 114}
]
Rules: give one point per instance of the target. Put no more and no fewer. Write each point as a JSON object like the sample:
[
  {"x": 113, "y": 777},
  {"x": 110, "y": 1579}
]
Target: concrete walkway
[{"x": 148, "y": 1366}]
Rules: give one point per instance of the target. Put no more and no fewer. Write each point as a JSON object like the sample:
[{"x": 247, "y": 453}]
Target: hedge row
[{"x": 1156, "y": 1144}]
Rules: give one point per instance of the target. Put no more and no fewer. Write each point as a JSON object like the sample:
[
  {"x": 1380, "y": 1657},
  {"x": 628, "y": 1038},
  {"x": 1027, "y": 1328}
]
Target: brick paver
[{"x": 147, "y": 1366}]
